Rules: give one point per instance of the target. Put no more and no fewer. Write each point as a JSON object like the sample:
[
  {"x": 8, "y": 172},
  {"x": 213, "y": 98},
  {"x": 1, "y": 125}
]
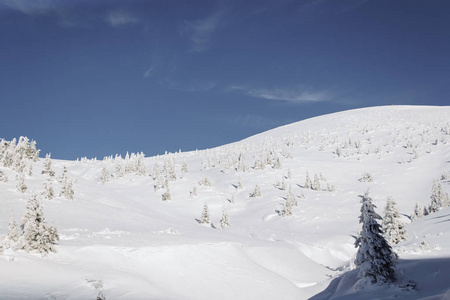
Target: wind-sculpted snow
[{"x": 133, "y": 230}]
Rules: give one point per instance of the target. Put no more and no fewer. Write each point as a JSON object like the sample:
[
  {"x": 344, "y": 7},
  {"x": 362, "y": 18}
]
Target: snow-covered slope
[{"x": 121, "y": 239}]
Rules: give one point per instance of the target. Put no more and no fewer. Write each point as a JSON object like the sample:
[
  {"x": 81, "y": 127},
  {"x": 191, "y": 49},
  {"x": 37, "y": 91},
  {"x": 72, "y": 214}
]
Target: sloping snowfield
[{"x": 119, "y": 238}]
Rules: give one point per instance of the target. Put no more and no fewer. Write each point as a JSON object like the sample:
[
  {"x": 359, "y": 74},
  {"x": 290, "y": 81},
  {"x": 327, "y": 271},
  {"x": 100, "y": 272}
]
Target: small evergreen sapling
[
  {"x": 256, "y": 192},
  {"x": 308, "y": 184},
  {"x": 225, "y": 220},
  {"x": 205, "y": 218}
]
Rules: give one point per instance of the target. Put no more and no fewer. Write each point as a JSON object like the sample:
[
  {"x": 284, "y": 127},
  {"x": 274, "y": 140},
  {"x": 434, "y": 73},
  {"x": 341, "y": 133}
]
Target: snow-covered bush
[
  {"x": 256, "y": 192},
  {"x": 366, "y": 177}
]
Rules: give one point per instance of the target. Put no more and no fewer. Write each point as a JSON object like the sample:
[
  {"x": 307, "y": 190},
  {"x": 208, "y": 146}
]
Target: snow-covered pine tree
[
  {"x": 417, "y": 213},
  {"x": 239, "y": 184},
  {"x": 308, "y": 184},
  {"x": 374, "y": 257},
  {"x": 13, "y": 232},
  {"x": 291, "y": 197},
  {"x": 21, "y": 187},
  {"x": 193, "y": 192},
  {"x": 3, "y": 177},
  {"x": 166, "y": 196},
  {"x": 140, "y": 166},
  {"x": 205, "y": 181},
  {"x": 48, "y": 192},
  {"x": 184, "y": 167},
  {"x": 232, "y": 200},
  {"x": 394, "y": 229},
  {"x": 225, "y": 220},
  {"x": 287, "y": 209},
  {"x": 316, "y": 184},
  {"x": 37, "y": 235},
  {"x": 205, "y": 218},
  {"x": 67, "y": 189},
  {"x": 438, "y": 198},
  {"x": 256, "y": 192},
  {"x": 48, "y": 165},
  {"x": 105, "y": 175}
]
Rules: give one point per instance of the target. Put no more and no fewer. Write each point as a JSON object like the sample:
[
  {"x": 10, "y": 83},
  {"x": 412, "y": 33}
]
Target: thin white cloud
[
  {"x": 290, "y": 95},
  {"x": 193, "y": 86},
  {"x": 120, "y": 18},
  {"x": 31, "y": 7},
  {"x": 199, "y": 32},
  {"x": 148, "y": 73}
]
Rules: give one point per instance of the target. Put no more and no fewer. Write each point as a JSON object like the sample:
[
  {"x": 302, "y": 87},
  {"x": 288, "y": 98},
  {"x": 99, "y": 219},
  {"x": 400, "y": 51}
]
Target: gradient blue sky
[{"x": 94, "y": 78}]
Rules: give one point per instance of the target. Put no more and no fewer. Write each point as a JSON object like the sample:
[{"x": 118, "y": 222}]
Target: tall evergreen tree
[{"x": 374, "y": 257}]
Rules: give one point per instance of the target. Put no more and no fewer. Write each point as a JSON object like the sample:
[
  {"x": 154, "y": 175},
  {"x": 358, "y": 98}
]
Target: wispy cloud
[
  {"x": 149, "y": 72},
  {"x": 120, "y": 18},
  {"x": 291, "y": 95},
  {"x": 191, "y": 86},
  {"x": 30, "y": 7},
  {"x": 199, "y": 32}
]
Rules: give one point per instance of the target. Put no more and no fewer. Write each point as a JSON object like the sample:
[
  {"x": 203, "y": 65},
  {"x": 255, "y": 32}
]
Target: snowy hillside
[{"x": 119, "y": 238}]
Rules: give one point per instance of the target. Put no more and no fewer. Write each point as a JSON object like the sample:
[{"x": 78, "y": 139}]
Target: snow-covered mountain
[{"x": 120, "y": 240}]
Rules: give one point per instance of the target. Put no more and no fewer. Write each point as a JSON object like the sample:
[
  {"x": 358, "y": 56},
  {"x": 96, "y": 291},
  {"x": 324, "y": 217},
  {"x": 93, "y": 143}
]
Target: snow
[{"x": 119, "y": 238}]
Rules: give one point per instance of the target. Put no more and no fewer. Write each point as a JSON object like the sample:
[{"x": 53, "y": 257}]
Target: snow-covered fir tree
[
  {"x": 394, "y": 229},
  {"x": 438, "y": 198},
  {"x": 225, "y": 220},
  {"x": 184, "y": 167},
  {"x": 48, "y": 165},
  {"x": 37, "y": 235},
  {"x": 375, "y": 258},
  {"x": 308, "y": 184},
  {"x": 3, "y": 177},
  {"x": 48, "y": 192},
  {"x": 205, "y": 218},
  {"x": 140, "y": 166},
  {"x": 105, "y": 175},
  {"x": 13, "y": 232},
  {"x": 366, "y": 177},
  {"x": 256, "y": 192},
  {"x": 20, "y": 183},
  {"x": 166, "y": 196},
  {"x": 417, "y": 213},
  {"x": 193, "y": 193},
  {"x": 232, "y": 200},
  {"x": 291, "y": 197},
  {"x": 287, "y": 209},
  {"x": 316, "y": 184},
  {"x": 63, "y": 177},
  {"x": 67, "y": 189},
  {"x": 205, "y": 181}
]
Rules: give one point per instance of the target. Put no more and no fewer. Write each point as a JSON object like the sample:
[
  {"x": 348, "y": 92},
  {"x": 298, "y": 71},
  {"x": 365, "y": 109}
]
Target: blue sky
[{"x": 94, "y": 78}]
